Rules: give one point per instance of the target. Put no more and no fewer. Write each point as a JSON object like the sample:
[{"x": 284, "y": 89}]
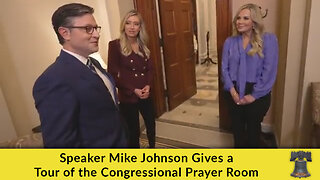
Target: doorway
[{"x": 149, "y": 11}]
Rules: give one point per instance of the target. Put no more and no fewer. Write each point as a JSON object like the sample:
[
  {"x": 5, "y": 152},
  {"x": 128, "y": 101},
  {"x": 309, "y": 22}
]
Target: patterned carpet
[
  {"x": 194, "y": 123},
  {"x": 202, "y": 109}
]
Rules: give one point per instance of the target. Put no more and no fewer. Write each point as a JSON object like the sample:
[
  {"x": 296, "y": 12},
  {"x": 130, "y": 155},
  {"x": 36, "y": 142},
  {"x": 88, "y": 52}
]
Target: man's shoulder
[
  {"x": 57, "y": 70},
  {"x": 51, "y": 74},
  {"x": 56, "y": 67}
]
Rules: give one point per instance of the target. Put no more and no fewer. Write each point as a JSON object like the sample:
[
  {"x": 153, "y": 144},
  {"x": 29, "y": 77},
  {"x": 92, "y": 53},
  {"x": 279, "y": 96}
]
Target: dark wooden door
[
  {"x": 175, "y": 85},
  {"x": 148, "y": 11},
  {"x": 177, "y": 34},
  {"x": 224, "y": 29}
]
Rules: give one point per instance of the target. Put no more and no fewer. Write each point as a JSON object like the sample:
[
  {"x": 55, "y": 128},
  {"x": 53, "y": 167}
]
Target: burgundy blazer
[{"x": 130, "y": 72}]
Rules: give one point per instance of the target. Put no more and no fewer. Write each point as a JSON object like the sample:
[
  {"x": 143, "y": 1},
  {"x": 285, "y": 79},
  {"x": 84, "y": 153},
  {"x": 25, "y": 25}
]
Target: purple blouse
[{"x": 240, "y": 67}]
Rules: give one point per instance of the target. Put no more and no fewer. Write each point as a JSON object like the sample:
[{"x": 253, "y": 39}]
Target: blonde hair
[
  {"x": 257, "y": 30},
  {"x": 142, "y": 37}
]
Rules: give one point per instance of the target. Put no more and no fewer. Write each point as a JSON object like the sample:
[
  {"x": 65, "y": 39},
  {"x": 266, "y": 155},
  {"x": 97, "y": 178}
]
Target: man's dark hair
[{"x": 64, "y": 14}]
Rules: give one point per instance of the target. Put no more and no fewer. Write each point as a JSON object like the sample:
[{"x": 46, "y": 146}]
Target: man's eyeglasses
[{"x": 89, "y": 29}]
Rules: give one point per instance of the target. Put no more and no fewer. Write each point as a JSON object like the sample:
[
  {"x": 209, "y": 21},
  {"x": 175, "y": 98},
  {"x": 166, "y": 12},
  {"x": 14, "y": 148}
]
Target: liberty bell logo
[{"x": 300, "y": 168}]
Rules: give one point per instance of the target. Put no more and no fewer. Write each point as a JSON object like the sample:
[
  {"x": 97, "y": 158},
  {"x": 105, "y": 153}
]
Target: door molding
[{"x": 224, "y": 30}]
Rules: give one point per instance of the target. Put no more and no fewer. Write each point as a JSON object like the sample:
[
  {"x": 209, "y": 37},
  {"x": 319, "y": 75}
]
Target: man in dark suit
[{"x": 75, "y": 96}]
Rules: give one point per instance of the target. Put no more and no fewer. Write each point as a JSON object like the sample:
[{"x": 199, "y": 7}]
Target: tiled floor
[{"x": 195, "y": 123}]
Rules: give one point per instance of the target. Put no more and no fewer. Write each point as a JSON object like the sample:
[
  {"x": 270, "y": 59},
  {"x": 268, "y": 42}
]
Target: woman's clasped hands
[
  {"x": 247, "y": 99},
  {"x": 143, "y": 93}
]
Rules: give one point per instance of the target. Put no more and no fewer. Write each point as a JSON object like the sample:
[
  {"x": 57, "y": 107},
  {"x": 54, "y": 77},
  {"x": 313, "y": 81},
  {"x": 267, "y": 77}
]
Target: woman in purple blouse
[
  {"x": 249, "y": 68},
  {"x": 129, "y": 63}
]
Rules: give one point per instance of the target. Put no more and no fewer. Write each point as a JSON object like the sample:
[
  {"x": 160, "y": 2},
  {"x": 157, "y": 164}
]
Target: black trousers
[
  {"x": 246, "y": 120},
  {"x": 130, "y": 112}
]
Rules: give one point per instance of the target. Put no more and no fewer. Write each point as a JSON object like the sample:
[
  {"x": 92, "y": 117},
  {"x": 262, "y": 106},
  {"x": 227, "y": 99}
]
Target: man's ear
[{"x": 65, "y": 33}]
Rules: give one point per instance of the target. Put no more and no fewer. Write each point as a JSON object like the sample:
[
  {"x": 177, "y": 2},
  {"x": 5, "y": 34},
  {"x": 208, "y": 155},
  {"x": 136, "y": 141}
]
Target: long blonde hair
[
  {"x": 142, "y": 37},
  {"x": 257, "y": 30}
]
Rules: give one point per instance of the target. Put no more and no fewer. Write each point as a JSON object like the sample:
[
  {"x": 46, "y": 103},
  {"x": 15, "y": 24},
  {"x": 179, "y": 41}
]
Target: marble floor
[{"x": 195, "y": 123}]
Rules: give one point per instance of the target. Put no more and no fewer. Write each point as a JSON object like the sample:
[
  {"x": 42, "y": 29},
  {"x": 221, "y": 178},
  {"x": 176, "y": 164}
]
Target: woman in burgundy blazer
[{"x": 129, "y": 63}]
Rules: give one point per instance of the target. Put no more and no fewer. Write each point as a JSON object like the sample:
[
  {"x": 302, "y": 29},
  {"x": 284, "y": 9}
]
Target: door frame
[
  {"x": 148, "y": 11},
  {"x": 224, "y": 30}
]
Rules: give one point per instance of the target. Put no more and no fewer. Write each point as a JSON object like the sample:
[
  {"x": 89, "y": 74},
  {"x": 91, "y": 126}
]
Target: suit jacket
[
  {"x": 76, "y": 108},
  {"x": 130, "y": 72}
]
